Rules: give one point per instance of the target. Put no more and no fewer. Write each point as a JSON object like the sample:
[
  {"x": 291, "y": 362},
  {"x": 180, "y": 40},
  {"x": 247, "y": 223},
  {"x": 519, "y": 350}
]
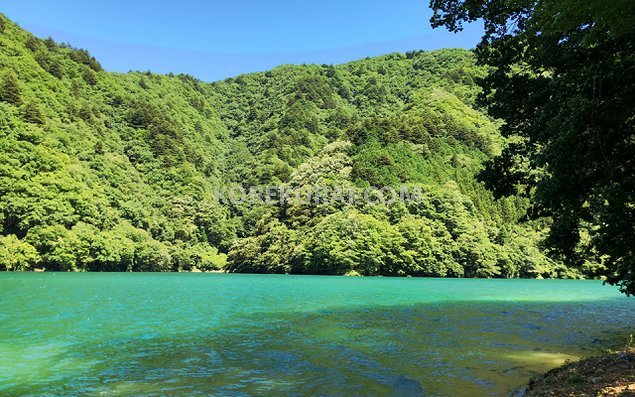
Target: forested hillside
[{"x": 102, "y": 171}]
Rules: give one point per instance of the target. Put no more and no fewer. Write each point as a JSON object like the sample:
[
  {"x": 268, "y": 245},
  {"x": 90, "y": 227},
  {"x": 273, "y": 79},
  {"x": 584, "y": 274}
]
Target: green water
[{"x": 100, "y": 334}]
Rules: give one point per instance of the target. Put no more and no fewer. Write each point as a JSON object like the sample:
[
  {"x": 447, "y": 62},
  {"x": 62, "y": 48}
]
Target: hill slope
[{"x": 106, "y": 171}]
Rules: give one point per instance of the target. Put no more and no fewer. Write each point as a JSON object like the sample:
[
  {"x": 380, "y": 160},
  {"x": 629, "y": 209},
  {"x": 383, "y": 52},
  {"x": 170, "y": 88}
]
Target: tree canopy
[
  {"x": 118, "y": 172},
  {"x": 562, "y": 78}
]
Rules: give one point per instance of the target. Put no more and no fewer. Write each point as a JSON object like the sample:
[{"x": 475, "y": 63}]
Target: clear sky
[{"x": 215, "y": 39}]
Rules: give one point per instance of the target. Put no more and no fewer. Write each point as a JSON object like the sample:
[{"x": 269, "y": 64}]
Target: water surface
[{"x": 150, "y": 334}]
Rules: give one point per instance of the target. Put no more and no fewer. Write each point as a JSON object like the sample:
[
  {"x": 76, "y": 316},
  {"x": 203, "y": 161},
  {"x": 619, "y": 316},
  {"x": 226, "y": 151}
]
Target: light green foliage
[
  {"x": 432, "y": 245},
  {"x": 351, "y": 242},
  {"x": 17, "y": 254},
  {"x": 116, "y": 172},
  {"x": 60, "y": 248}
]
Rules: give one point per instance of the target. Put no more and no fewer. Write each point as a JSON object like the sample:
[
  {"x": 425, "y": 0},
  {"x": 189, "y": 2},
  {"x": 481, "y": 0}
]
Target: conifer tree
[{"x": 10, "y": 90}]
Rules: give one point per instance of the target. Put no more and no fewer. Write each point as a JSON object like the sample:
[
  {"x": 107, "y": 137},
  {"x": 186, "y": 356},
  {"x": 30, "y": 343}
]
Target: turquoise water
[{"x": 148, "y": 334}]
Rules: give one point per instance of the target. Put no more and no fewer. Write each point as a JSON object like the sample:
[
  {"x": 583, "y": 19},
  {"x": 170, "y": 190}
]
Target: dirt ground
[{"x": 611, "y": 374}]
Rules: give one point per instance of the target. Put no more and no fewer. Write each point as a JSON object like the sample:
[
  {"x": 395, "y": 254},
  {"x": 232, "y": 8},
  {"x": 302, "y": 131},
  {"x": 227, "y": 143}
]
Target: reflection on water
[
  {"x": 541, "y": 359},
  {"x": 227, "y": 335}
]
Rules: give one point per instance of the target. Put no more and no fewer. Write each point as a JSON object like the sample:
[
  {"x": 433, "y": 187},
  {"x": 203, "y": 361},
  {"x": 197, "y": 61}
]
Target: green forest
[{"x": 103, "y": 171}]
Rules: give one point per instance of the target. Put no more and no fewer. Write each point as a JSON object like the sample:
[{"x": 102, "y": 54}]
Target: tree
[
  {"x": 32, "y": 43},
  {"x": 89, "y": 76},
  {"x": 59, "y": 247},
  {"x": 562, "y": 78},
  {"x": 16, "y": 254},
  {"x": 55, "y": 69},
  {"x": 353, "y": 243},
  {"x": 270, "y": 252},
  {"x": 50, "y": 44},
  {"x": 432, "y": 246},
  {"x": 10, "y": 90},
  {"x": 152, "y": 256},
  {"x": 200, "y": 256},
  {"x": 82, "y": 56},
  {"x": 32, "y": 114},
  {"x": 112, "y": 251}
]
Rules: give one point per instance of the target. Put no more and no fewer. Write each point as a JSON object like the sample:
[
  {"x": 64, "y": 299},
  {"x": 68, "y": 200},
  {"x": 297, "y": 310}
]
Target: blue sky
[{"x": 215, "y": 39}]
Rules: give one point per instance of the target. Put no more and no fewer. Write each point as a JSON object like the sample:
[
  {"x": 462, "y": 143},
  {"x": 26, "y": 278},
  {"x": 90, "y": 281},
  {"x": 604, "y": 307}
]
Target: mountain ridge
[{"x": 104, "y": 171}]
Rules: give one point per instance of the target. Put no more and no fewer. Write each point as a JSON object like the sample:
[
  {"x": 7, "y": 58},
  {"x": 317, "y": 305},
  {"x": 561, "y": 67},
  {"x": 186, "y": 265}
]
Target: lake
[{"x": 189, "y": 334}]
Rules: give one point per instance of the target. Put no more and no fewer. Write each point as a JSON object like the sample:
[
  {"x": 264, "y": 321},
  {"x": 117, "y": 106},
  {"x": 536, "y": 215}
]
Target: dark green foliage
[
  {"x": 33, "y": 43},
  {"x": 115, "y": 172},
  {"x": 82, "y": 56},
  {"x": 142, "y": 114},
  {"x": 55, "y": 69},
  {"x": 89, "y": 77},
  {"x": 317, "y": 90},
  {"x": 10, "y": 90},
  {"x": 50, "y": 44},
  {"x": 562, "y": 80},
  {"x": 299, "y": 116},
  {"x": 269, "y": 252},
  {"x": 31, "y": 113},
  {"x": 49, "y": 64}
]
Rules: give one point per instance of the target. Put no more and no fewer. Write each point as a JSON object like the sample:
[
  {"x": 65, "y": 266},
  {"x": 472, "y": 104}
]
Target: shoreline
[
  {"x": 609, "y": 374},
  {"x": 353, "y": 274}
]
